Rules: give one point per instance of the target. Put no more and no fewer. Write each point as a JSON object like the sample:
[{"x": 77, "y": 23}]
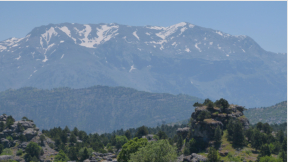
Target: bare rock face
[{"x": 205, "y": 129}]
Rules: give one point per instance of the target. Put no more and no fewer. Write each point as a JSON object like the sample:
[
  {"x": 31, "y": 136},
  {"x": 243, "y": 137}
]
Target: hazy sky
[{"x": 265, "y": 22}]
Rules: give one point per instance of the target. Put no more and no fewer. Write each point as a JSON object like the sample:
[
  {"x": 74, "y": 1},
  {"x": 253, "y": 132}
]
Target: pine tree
[
  {"x": 238, "y": 134},
  {"x": 256, "y": 141},
  {"x": 230, "y": 128},
  {"x": 179, "y": 142},
  {"x": 265, "y": 150},
  {"x": 213, "y": 155},
  {"x": 128, "y": 134},
  {"x": 142, "y": 131},
  {"x": 2, "y": 126},
  {"x": 280, "y": 136},
  {"x": 72, "y": 153},
  {"x": 85, "y": 155},
  {"x": 218, "y": 134},
  {"x": 72, "y": 138}
]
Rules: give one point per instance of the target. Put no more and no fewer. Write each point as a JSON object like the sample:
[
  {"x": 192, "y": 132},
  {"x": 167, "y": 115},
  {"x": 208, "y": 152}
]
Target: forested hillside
[
  {"x": 273, "y": 114},
  {"x": 96, "y": 109}
]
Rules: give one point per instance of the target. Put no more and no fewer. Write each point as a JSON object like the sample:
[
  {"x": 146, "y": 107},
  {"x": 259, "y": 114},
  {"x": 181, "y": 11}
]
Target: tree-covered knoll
[{"x": 96, "y": 109}]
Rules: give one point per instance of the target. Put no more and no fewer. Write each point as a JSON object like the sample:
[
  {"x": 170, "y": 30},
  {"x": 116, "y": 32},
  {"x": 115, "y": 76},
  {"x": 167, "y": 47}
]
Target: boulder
[
  {"x": 244, "y": 121},
  {"x": 223, "y": 152},
  {"x": 23, "y": 145},
  {"x": 3, "y": 117},
  {"x": 197, "y": 158},
  {"x": 30, "y": 133},
  {"x": 6, "y": 143},
  {"x": 2, "y": 135}
]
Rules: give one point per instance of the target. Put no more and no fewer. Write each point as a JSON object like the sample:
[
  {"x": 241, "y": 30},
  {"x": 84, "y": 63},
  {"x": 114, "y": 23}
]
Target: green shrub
[
  {"x": 9, "y": 138},
  {"x": 19, "y": 152},
  {"x": 7, "y": 151},
  {"x": 160, "y": 151}
]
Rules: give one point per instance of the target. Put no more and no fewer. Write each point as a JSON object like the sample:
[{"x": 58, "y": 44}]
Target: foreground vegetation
[{"x": 231, "y": 142}]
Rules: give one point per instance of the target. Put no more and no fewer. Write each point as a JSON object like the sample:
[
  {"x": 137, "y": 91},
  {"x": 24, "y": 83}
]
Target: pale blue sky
[{"x": 265, "y": 22}]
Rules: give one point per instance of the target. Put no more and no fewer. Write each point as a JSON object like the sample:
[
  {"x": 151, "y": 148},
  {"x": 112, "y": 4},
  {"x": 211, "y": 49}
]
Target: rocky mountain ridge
[{"x": 181, "y": 58}]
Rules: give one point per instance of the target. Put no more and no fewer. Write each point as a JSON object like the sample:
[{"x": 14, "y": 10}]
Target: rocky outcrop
[
  {"x": 205, "y": 129},
  {"x": 3, "y": 117},
  {"x": 23, "y": 145},
  {"x": 26, "y": 128},
  {"x": 195, "y": 158},
  {"x": 6, "y": 143},
  {"x": 218, "y": 117},
  {"x": 6, "y": 157},
  {"x": 30, "y": 133}
]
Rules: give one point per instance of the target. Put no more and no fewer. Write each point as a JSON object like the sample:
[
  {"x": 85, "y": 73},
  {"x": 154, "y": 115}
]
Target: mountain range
[{"x": 182, "y": 58}]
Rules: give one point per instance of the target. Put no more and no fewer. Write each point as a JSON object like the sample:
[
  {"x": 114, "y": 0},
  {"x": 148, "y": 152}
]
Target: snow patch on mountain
[
  {"x": 105, "y": 33},
  {"x": 156, "y": 27},
  {"x": 218, "y": 32},
  {"x": 45, "y": 59},
  {"x": 2, "y": 48},
  {"x": 12, "y": 42},
  {"x": 67, "y": 32},
  {"x": 191, "y": 26},
  {"x": 170, "y": 30},
  {"x": 196, "y": 46},
  {"x": 182, "y": 30},
  {"x": 18, "y": 57},
  {"x": 48, "y": 35},
  {"x": 85, "y": 41},
  {"x": 134, "y": 33},
  {"x": 132, "y": 68}
]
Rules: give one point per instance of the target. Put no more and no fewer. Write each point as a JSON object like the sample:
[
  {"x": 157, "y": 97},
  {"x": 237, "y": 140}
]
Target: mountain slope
[
  {"x": 96, "y": 109},
  {"x": 275, "y": 114},
  {"x": 182, "y": 58}
]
